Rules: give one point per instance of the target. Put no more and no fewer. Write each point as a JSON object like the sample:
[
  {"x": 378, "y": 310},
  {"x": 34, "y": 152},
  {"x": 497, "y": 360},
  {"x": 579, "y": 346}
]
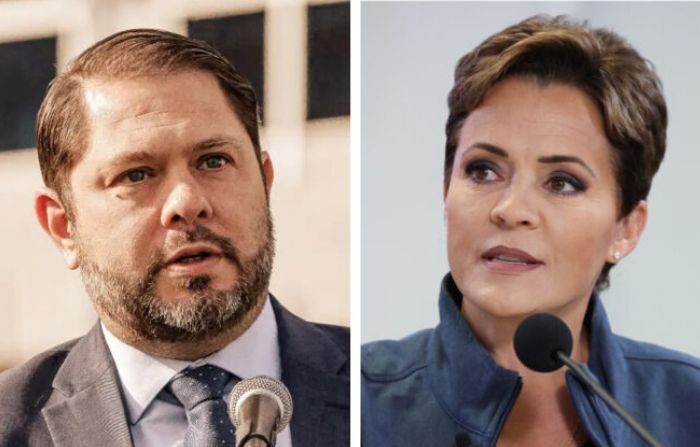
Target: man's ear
[
  {"x": 53, "y": 218},
  {"x": 629, "y": 232},
  {"x": 267, "y": 170}
]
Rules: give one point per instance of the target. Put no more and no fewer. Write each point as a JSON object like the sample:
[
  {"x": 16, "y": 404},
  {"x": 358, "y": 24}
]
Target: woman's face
[{"x": 531, "y": 206}]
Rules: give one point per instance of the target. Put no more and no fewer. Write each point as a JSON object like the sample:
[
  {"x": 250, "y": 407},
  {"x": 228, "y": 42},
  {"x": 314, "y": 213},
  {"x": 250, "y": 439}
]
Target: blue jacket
[{"x": 427, "y": 388}]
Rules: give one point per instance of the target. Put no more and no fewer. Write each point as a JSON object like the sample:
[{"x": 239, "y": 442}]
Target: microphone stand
[{"x": 612, "y": 403}]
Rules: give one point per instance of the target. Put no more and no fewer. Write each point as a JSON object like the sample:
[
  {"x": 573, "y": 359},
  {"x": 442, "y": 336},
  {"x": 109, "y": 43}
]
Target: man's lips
[
  {"x": 192, "y": 254},
  {"x": 510, "y": 259}
]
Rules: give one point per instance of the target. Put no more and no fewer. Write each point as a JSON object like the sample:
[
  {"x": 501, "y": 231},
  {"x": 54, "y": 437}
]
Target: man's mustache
[{"x": 200, "y": 233}]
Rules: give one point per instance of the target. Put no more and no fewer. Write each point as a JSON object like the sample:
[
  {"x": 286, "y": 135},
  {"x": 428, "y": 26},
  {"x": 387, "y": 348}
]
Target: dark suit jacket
[{"x": 70, "y": 395}]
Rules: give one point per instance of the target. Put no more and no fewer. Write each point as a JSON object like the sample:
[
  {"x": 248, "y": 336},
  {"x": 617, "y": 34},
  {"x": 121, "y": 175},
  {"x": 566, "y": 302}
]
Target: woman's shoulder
[
  {"x": 389, "y": 360},
  {"x": 649, "y": 356}
]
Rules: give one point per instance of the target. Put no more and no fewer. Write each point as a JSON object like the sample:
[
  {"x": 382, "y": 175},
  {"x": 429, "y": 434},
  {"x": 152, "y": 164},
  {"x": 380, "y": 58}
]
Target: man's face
[{"x": 171, "y": 223}]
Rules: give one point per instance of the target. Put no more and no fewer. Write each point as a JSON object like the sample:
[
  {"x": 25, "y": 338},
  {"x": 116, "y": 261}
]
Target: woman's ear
[
  {"x": 629, "y": 232},
  {"x": 53, "y": 218}
]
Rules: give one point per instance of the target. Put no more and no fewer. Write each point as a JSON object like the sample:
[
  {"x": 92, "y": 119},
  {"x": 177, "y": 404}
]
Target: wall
[
  {"x": 409, "y": 51},
  {"x": 43, "y": 303}
]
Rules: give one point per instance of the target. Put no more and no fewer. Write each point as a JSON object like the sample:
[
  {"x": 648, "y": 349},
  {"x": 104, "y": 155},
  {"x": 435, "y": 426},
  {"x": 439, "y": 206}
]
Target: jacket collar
[
  {"x": 316, "y": 370},
  {"x": 467, "y": 382},
  {"x": 606, "y": 365},
  {"x": 478, "y": 394},
  {"x": 605, "y": 356},
  {"x": 87, "y": 408}
]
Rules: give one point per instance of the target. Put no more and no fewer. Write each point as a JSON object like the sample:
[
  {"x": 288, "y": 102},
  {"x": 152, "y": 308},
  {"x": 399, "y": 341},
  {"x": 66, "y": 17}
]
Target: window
[
  {"x": 27, "y": 68},
  {"x": 240, "y": 39},
  {"x": 328, "y": 60}
]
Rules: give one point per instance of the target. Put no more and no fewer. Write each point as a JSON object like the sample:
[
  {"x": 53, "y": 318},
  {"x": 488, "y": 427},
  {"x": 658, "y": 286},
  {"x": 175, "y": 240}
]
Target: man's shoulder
[
  {"x": 25, "y": 389},
  {"x": 320, "y": 346},
  {"x": 393, "y": 360},
  {"x": 339, "y": 335},
  {"x": 36, "y": 373}
]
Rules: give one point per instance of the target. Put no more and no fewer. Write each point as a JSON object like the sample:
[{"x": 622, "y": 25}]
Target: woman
[{"x": 554, "y": 135}]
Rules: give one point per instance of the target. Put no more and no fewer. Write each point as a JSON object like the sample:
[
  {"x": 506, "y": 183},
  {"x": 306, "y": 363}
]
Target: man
[{"x": 157, "y": 189}]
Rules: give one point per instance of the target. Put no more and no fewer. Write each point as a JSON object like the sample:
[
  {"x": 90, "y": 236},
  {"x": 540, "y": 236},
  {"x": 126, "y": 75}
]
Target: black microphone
[
  {"x": 543, "y": 343},
  {"x": 259, "y": 408}
]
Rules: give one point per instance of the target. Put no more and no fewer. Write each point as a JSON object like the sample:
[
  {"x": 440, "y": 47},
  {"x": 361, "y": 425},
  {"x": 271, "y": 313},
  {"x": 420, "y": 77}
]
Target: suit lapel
[
  {"x": 86, "y": 407},
  {"x": 316, "y": 371}
]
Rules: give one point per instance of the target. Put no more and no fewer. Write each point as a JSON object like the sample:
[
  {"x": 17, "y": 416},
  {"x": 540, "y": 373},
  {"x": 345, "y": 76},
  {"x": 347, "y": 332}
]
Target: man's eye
[
  {"x": 135, "y": 176},
  {"x": 214, "y": 162}
]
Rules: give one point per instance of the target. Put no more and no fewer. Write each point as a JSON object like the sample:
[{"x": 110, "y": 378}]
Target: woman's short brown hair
[
  {"x": 62, "y": 128},
  {"x": 624, "y": 86}
]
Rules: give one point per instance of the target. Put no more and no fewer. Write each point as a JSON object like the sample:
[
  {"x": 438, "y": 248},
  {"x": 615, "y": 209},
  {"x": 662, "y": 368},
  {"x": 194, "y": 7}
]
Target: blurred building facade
[{"x": 297, "y": 54}]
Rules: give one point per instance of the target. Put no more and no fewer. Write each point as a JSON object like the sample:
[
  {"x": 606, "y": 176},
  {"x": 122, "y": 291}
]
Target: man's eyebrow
[
  {"x": 124, "y": 158},
  {"x": 566, "y": 159},
  {"x": 131, "y": 157},
  {"x": 488, "y": 147},
  {"x": 142, "y": 156},
  {"x": 213, "y": 142}
]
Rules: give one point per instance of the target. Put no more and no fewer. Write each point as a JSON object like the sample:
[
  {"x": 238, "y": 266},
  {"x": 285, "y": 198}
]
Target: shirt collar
[{"x": 143, "y": 376}]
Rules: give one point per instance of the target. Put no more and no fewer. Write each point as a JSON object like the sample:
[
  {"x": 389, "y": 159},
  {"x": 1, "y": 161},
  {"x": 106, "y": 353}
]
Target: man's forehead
[
  {"x": 183, "y": 109},
  {"x": 147, "y": 96}
]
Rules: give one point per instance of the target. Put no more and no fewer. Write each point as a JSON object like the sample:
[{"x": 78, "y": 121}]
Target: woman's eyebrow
[
  {"x": 496, "y": 150},
  {"x": 488, "y": 147},
  {"x": 566, "y": 159}
]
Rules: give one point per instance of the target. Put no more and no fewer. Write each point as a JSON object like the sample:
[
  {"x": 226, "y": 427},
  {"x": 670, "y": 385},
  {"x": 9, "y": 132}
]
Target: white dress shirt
[{"x": 155, "y": 422}]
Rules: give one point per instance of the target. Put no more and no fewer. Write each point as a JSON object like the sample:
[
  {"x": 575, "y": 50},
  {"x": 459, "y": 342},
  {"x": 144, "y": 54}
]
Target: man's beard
[{"x": 132, "y": 303}]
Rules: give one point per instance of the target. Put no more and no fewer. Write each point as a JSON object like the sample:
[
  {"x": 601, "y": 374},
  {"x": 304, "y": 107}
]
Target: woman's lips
[{"x": 510, "y": 260}]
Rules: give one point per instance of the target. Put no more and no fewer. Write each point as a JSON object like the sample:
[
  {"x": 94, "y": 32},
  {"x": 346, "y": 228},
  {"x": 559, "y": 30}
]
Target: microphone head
[
  {"x": 537, "y": 340},
  {"x": 261, "y": 386}
]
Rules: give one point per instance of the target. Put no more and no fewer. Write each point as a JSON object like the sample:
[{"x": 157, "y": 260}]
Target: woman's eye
[
  {"x": 214, "y": 162},
  {"x": 565, "y": 184},
  {"x": 481, "y": 172}
]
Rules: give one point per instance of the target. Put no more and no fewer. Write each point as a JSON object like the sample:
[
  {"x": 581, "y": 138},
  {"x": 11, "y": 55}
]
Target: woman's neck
[
  {"x": 543, "y": 413},
  {"x": 496, "y": 334}
]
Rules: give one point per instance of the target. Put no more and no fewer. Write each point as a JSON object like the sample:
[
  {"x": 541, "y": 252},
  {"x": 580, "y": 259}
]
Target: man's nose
[
  {"x": 516, "y": 208},
  {"x": 185, "y": 203}
]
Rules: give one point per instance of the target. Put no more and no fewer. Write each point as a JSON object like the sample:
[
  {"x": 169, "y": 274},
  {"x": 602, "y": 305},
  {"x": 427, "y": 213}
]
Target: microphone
[
  {"x": 543, "y": 343},
  {"x": 259, "y": 408}
]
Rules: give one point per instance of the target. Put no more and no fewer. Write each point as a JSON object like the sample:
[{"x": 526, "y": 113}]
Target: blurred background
[
  {"x": 297, "y": 55},
  {"x": 409, "y": 51}
]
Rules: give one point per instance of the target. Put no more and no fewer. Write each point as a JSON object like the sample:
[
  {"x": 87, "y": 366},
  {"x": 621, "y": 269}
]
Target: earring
[{"x": 616, "y": 256}]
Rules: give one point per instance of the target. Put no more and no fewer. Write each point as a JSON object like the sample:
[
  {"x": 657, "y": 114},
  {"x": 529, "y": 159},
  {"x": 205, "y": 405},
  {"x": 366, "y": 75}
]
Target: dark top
[
  {"x": 70, "y": 396},
  {"x": 434, "y": 385}
]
